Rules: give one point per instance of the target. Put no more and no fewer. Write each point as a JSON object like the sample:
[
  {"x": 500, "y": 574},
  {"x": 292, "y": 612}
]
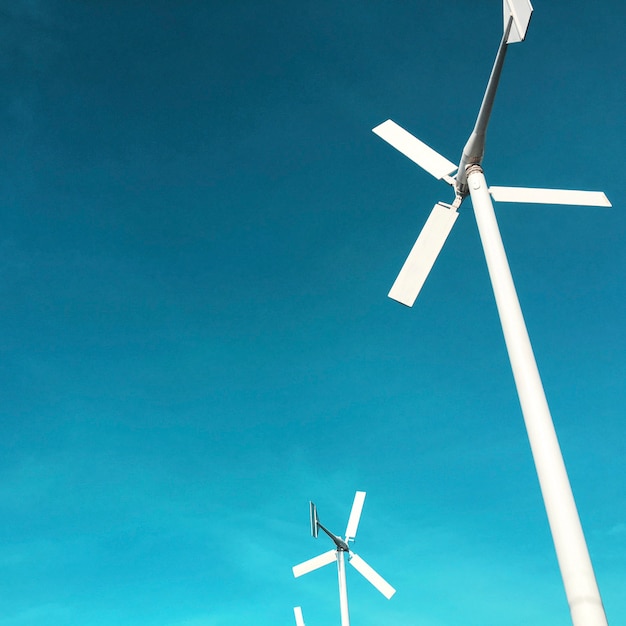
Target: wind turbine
[
  {"x": 338, "y": 554},
  {"x": 569, "y": 541}
]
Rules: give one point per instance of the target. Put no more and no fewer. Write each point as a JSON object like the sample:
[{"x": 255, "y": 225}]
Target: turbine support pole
[
  {"x": 577, "y": 572},
  {"x": 343, "y": 588}
]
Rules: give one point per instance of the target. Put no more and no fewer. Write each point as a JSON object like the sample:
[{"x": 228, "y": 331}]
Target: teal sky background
[{"x": 199, "y": 230}]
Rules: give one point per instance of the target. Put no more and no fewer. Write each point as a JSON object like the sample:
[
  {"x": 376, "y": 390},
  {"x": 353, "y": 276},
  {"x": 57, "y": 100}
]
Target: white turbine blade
[
  {"x": 423, "y": 255},
  {"x": 521, "y": 10},
  {"x": 314, "y": 563},
  {"x": 549, "y": 196},
  {"x": 297, "y": 611},
  {"x": 374, "y": 577},
  {"x": 355, "y": 515},
  {"x": 416, "y": 150}
]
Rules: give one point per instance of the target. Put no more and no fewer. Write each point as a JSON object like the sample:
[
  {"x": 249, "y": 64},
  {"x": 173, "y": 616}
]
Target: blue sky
[{"x": 199, "y": 231}]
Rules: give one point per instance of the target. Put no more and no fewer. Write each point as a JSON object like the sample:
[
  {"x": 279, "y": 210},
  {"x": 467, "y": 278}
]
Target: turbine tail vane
[
  {"x": 314, "y": 519},
  {"x": 520, "y": 11}
]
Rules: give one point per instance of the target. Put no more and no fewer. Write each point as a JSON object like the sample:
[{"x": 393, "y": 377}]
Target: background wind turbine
[
  {"x": 338, "y": 554},
  {"x": 571, "y": 548}
]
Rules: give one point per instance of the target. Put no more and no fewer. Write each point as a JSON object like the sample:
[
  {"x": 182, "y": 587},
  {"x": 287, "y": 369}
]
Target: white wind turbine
[
  {"x": 338, "y": 554},
  {"x": 569, "y": 541}
]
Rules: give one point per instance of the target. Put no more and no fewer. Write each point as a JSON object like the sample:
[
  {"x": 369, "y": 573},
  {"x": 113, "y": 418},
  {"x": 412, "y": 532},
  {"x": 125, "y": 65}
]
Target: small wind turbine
[
  {"x": 338, "y": 554},
  {"x": 569, "y": 541}
]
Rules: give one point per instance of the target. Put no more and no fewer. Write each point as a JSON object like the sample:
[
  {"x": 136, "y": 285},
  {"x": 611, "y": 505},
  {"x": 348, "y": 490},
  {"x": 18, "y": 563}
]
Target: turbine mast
[
  {"x": 343, "y": 588},
  {"x": 577, "y": 572}
]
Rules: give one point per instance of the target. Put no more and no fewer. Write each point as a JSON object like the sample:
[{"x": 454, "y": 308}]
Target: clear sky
[{"x": 198, "y": 233}]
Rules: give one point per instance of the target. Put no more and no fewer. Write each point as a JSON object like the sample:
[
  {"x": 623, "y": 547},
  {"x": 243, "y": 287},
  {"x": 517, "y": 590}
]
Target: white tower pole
[
  {"x": 569, "y": 541},
  {"x": 343, "y": 589}
]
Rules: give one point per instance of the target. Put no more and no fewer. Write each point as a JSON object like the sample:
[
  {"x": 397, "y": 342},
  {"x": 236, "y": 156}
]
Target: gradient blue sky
[{"x": 199, "y": 231}]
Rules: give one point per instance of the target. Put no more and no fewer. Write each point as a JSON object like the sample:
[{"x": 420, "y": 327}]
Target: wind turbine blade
[
  {"x": 314, "y": 563},
  {"x": 422, "y": 257},
  {"x": 374, "y": 577},
  {"x": 521, "y": 10},
  {"x": 549, "y": 196},
  {"x": 355, "y": 515},
  {"x": 297, "y": 611},
  {"x": 416, "y": 150}
]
